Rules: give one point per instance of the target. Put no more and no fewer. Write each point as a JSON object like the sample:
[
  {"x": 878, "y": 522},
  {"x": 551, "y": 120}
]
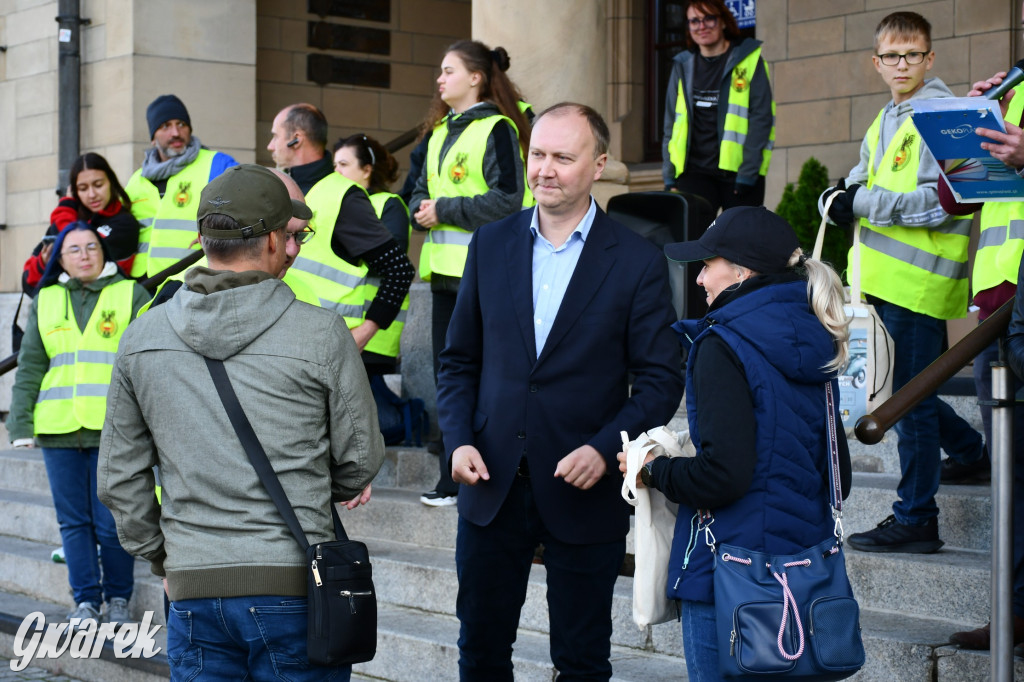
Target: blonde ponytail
[{"x": 825, "y": 296}]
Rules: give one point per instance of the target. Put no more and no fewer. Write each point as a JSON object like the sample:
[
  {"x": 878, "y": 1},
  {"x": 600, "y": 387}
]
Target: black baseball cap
[
  {"x": 254, "y": 197},
  {"x": 751, "y": 236}
]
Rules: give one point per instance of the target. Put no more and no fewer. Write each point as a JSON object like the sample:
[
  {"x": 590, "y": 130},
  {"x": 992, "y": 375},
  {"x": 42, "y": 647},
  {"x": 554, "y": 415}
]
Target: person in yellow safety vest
[
  {"x": 165, "y": 190},
  {"x": 59, "y": 401},
  {"x": 473, "y": 175},
  {"x": 913, "y": 259},
  {"x": 719, "y": 127},
  {"x": 996, "y": 279},
  {"x": 348, "y": 234},
  {"x": 369, "y": 164}
]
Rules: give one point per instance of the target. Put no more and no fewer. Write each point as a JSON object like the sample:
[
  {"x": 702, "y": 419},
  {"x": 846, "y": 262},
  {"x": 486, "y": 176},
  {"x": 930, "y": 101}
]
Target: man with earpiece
[{"x": 352, "y": 262}]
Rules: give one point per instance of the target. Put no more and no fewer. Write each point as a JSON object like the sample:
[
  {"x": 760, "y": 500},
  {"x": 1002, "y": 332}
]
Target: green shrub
[{"x": 799, "y": 205}]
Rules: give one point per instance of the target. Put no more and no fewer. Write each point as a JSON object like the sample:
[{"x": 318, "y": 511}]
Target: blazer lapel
[
  {"x": 519, "y": 260},
  {"x": 595, "y": 262}
]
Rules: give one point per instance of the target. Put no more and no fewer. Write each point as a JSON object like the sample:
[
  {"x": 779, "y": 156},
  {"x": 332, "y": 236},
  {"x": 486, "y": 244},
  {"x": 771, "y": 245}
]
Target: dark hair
[
  {"x": 310, "y": 120},
  {"x": 370, "y": 152},
  {"x": 93, "y": 161},
  {"x": 730, "y": 29},
  {"x": 495, "y": 87},
  {"x": 597, "y": 125},
  {"x": 54, "y": 269},
  {"x": 230, "y": 249},
  {"x": 904, "y": 26}
]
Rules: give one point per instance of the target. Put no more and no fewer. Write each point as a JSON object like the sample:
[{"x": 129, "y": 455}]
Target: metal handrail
[{"x": 872, "y": 427}]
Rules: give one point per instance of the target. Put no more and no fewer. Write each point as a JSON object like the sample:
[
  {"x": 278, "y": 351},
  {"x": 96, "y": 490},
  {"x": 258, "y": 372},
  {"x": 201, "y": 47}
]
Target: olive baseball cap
[
  {"x": 254, "y": 197},
  {"x": 751, "y": 236}
]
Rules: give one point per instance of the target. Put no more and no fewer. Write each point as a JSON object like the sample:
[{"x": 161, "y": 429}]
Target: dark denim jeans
[
  {"x": 983, "y": 384},
  {"x": 84, "y": 523},
  {"x": 700, "y": 641},
  {"x": 929, "y": 427},
  {"x": 243, "y": 638},
  {"x": 493, "y": 564}
]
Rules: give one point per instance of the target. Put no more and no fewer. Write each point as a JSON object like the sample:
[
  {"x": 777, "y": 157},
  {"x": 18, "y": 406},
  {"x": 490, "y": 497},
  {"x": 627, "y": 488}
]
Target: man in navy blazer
[{"x": 558, "y": 309}]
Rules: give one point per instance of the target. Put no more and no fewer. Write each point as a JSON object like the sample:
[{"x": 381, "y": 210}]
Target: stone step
[
  {"x": 413, "y": 646},
  {"x": 965, "y": 511},
  {"x": 29, "y": 516},
  {"x": 23, "y": 470}
]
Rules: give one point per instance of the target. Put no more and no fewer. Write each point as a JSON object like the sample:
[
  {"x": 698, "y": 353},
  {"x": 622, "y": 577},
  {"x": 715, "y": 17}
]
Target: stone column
[{"x": 559, "y": 52}]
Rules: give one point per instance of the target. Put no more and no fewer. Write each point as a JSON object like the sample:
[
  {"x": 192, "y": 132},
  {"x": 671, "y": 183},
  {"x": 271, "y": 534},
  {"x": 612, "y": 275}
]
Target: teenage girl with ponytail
[{"x": 473, "y": 175}]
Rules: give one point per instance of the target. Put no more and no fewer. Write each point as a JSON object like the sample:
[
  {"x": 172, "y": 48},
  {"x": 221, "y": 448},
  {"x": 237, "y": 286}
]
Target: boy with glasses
[{"x": 913, "y": 259}]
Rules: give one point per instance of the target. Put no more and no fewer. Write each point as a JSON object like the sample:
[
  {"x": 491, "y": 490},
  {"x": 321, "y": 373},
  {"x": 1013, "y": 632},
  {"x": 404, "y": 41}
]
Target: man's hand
[
  {"x": 981, "y": 87},
  {"x": 361, "y": 498},
  {"x": 582, "y": 468},
  {"x": 841, "y": 210},
  {"x": 426, "y": 214},
  {"x": 45, "y": 253},
  {"x": 468, "y": 466},
  {"x": 362, "y": 333},
  {"x": 622, "y": 467}
]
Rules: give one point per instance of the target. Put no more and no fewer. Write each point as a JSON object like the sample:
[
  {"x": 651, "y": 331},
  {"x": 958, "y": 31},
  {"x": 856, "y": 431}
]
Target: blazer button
[
  {"x": 521, "y": 434},
  {"x": 533, "y": 388}
]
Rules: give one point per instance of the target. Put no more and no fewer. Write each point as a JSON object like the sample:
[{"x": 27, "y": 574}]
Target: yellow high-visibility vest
[
  {"x": 737, "y": 122},
  {"x": 168, "y": 225},
  {"x": 73, "y": 393},
  {"x": 386, "y": 341},
  {"x": 921, "y": 269}
]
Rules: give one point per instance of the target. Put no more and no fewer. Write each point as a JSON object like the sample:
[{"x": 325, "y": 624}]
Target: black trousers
[{"x": 443, "y": 306}]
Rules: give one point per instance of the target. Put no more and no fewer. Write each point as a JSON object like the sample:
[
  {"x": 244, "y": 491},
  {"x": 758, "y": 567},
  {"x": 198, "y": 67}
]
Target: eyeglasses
[
  {"x": 710, "y": 21},
  {"x": 893, "y": 59},
  {"x": 91, "y": 247},
  {"x": 302, "y": 236}
]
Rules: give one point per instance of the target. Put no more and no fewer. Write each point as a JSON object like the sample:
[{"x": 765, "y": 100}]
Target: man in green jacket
[{"x": 235, "y": 576}]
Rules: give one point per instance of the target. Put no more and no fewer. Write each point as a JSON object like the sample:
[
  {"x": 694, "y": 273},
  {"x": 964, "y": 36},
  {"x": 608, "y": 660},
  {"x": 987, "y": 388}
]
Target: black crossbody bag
[{"x": 342, "y": 602}]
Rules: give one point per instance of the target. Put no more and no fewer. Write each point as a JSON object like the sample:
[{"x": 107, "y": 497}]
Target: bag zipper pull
[
  {"x": 732, "y": 643},
  {"x": 351, "y": 596},
  {"x": 316, "y": 574}
]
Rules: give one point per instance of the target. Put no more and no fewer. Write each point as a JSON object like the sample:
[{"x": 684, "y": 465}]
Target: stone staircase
[{"x": 910, "y": 603}]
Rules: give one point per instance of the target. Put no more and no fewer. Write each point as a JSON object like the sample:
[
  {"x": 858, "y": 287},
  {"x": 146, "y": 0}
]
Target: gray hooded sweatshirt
[{"x": 298, "y": 377}]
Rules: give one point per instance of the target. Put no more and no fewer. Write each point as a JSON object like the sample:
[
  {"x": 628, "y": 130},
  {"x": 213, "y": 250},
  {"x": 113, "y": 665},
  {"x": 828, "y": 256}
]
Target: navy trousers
[{"x": 493, "y": 564}]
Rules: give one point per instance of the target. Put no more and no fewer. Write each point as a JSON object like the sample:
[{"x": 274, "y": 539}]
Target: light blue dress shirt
[{"x": 552, "y": 270}]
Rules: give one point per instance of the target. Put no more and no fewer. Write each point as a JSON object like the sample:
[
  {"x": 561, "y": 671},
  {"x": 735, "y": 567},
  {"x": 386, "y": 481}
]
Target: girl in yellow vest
[
  {"x": 59, "y": 402},
  {"x": 366, "y": 162},
  {"x": 473, "y": 175},
  {"x": 719, "y": 114}
]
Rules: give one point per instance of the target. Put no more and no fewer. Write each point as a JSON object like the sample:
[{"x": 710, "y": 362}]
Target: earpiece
[{"x": 293, "y": 142}]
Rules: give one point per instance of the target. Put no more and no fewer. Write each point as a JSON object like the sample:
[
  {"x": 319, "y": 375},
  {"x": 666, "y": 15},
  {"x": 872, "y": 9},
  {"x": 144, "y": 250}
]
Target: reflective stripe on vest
[
  {"x": 458, "y": 174},
  {"x": 386, "y": 341},
  {"x": 339, "y": 285},
  {"x": 921, "y": 269},
  {"x": 73, "y": 393},
  {"x": 1001, "y": 243},
  {"x": 172, "y": 219},
  {"x": 737, "y": 122}
]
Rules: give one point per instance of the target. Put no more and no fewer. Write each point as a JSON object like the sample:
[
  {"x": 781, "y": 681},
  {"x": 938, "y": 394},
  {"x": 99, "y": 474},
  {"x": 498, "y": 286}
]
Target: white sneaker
[
  {"x": 57, "y": 556},
  {"x": 117, "y": 611},
  {"x": 436, "y": 499},
  {"x": 86, "y": 613}
]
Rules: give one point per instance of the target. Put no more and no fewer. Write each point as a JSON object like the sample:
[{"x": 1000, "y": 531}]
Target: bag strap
[
  {"x": 819, "y": 242},
  {"x": 258, "y": 457},
  {"x": 835, "y": 483}
]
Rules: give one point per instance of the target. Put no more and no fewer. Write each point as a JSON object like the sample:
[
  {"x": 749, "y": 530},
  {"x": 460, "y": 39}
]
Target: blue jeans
[
  {"x": 243, "y": 638},
  {"x": 493, "y": 563},
  {"x": 983, "y": 385},
  {"x": 700, "y": 641},
  {"x": 84, "y": 522},
  {"x": 929, "y": 427}
]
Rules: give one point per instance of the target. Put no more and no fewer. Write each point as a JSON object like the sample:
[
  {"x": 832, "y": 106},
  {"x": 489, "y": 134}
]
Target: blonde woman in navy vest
[
  {"x": 473, "y": 175},
  {"x": 59, "y": 401}
]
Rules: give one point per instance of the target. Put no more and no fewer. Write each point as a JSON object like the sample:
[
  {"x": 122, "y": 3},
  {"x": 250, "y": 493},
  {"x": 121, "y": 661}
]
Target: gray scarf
[{"x": 155, "y": 169}]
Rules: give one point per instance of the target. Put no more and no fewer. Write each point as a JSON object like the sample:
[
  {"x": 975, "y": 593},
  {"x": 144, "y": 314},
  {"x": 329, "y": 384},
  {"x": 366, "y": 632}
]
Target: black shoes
[
  {"x": 953, "y": 472},
  {"x": 892, "y": 536}
]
